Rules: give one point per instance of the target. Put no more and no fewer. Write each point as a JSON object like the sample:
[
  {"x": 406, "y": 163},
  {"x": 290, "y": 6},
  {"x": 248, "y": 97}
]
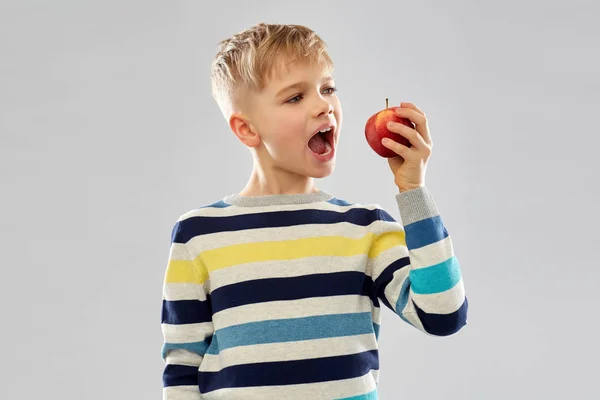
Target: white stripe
[
  {"x": 411, "y": 315},
  {"x": 290, "y": 268},
  {"x": 432, "y": 254},
  {"x": 441, "y": 303},
  {"x": 233, "y": 210},
  {"x": 386, "y": 258},
  {"x": 388, "y": 226},
  {"x": 179, "y": 251},
  {"x": 183, "y": 357},
  {"x": 211, "y": 241},
  {"x": 423, "y": 257},
  {"x": 183, "y": 291},
  {"x": 376, "y": 313},
  {"x": 181, "y": 393},
  {"x": 288, "y": 351},
  {"x": 321, "y": 390},
  {"x": 301, "y": 308},
  {"x": 186, "y": 333}
]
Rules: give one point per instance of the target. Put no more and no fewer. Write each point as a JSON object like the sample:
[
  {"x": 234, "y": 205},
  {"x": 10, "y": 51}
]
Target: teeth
[{"x": 325, "y": 130}]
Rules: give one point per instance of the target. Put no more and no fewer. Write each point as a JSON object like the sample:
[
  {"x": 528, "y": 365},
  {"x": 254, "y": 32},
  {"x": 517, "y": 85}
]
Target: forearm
[{"x": 437, "y": 290}]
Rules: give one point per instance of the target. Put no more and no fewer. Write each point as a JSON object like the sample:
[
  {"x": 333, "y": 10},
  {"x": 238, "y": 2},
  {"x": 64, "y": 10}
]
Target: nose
[{"x": 324, "y": 107}]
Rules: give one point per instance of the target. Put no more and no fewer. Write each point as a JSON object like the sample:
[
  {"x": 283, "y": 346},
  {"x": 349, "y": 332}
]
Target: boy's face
[{"x": 286, "y": 118}]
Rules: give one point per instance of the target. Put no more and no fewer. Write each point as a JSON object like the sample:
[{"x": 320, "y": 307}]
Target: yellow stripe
[
  {"x": 185, "y": 271},
  {"x": 299, "y": 248},
  {"x": 386, "y": 241}
]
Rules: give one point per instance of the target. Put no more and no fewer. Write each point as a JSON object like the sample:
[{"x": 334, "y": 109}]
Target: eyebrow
[{"x": 299, "y": 85}]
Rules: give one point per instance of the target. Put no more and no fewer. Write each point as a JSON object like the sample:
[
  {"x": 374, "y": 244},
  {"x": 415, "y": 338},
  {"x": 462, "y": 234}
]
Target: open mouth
[{"x": 321, "y": 143}]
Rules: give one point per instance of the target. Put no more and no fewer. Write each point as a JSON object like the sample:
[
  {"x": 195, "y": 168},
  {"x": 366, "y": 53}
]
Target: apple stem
[{"x": 386, "y": 102}]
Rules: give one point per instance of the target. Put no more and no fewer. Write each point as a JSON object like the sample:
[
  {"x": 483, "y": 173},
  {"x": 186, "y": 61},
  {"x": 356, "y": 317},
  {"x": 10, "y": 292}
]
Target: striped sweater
[{"x": 279, "y": 296}]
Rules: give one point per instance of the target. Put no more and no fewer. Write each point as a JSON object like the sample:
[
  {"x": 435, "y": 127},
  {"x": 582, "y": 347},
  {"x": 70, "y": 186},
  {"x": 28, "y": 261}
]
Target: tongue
[{"x": 317, "y": 144}]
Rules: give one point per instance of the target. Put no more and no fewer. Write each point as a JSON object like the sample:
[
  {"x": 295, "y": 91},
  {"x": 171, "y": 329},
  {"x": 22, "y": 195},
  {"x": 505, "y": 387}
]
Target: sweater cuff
[{"x": 416, "y": 205}]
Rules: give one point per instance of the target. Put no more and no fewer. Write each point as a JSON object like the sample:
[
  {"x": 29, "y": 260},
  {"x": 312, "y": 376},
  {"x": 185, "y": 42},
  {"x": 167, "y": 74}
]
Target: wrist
[{"x": 406, "y": 188}]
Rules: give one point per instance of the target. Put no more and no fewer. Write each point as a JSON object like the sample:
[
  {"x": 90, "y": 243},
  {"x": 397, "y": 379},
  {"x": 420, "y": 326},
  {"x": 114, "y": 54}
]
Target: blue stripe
[
  {"x": 403, "y": 297},
  {"x": 176, "y": 233},
  {"x": 180, "y": 375},
  {"x": 437, "y": 278},
  {"x": 369, "y": 396},
  {"x": 195, "y": 347},
  {"x": 290, "y": 372},
  {"x": 293, "y": 329},
  {"x": 339, "y": 202},
  {"x": 425, "y": 232},
  {"x": 217, "y": 204},
  {"x": 376, "y": 328},
  {"x": 202, "y": 225},
  {"x": 186, "y": 311},
  {"x": 444, "y": 324},
  {"x": 293, "y": 288}
]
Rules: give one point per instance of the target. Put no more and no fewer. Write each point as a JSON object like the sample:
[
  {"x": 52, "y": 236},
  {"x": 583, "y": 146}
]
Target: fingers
[
  {"x": 398, "y": 148},
  {"x": 409, "y": 133},
  {"x": 412, "y": 106},
  {"x": 417, "y": 117}
]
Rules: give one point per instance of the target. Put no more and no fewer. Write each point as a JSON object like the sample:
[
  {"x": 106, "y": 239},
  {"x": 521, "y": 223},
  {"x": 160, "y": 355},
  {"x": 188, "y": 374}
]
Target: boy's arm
[
  {"x": 186, "y": 320},
  {"x": 414, "y": 268}
]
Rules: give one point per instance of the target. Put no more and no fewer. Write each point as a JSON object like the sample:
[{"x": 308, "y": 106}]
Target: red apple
[{"x": 376, "y": 129}]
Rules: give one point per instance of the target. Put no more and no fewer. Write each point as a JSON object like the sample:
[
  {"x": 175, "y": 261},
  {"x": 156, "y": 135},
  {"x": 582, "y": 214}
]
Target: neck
[{"x": 269, "y": 181}]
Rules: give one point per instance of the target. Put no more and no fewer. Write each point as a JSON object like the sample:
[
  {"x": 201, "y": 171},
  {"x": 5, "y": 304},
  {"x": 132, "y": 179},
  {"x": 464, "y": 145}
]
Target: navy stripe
[
  {"x": 180, "y": 375},
  {"x": 292, "y": 288},
  {"x": 203, "y": 225},
  {"x": 186, "y": 311},
  {"x": 386, "y": 277},
  {"x": 290, "y": 372},
  {"x": 444, "y": 324}
]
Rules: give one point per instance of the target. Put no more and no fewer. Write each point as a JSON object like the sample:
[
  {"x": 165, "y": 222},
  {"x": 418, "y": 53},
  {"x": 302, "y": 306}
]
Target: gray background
[{"x": 109, "y": 133}]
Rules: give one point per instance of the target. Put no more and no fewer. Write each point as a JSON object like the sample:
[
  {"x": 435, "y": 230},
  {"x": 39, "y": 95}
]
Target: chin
[{"x": 323, "y": 172}]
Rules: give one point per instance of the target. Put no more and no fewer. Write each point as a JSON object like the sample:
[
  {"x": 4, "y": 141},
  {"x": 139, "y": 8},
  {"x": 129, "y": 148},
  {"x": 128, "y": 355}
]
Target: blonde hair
[{"x": 245, "y": 62}]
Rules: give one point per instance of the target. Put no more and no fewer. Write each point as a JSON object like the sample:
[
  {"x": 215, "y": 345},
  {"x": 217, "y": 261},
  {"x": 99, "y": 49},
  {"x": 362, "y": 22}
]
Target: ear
[{"x": 242, "y": 128}]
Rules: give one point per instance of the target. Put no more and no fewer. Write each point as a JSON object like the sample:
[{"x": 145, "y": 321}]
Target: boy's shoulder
[
  {"x": 220, "y": 216},
  {"x": 333, "y": 205}
]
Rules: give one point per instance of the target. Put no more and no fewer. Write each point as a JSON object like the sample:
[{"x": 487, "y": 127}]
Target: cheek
[
  {"x": 289, "y": 122},
  {"x": 338, "y": 111},
  {"x": 287, "y": 141},
  {"x": 288, "y": 131}
]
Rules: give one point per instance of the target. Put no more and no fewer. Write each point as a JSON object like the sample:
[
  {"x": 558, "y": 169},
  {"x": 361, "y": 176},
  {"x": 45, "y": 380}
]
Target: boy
[{"x": 275, "y": 292}]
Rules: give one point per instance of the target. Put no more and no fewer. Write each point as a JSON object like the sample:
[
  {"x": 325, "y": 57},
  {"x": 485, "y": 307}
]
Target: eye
[
  {"x": 295, "y": 97},
  {"x": 332, "y": 90}
]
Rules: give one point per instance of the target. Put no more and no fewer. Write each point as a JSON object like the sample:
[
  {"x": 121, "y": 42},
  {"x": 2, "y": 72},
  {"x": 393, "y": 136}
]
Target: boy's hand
[{"x": 409, "y": 168}]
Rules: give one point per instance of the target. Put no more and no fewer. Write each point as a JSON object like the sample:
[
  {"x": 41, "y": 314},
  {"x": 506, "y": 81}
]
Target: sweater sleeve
[
  {"x": 186, "y": 319},
  {"x": 415, "y": 271}
]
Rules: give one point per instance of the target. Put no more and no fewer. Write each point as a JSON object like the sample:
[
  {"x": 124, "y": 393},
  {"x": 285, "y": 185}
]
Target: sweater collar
[{"x": 277, "y": 199}]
